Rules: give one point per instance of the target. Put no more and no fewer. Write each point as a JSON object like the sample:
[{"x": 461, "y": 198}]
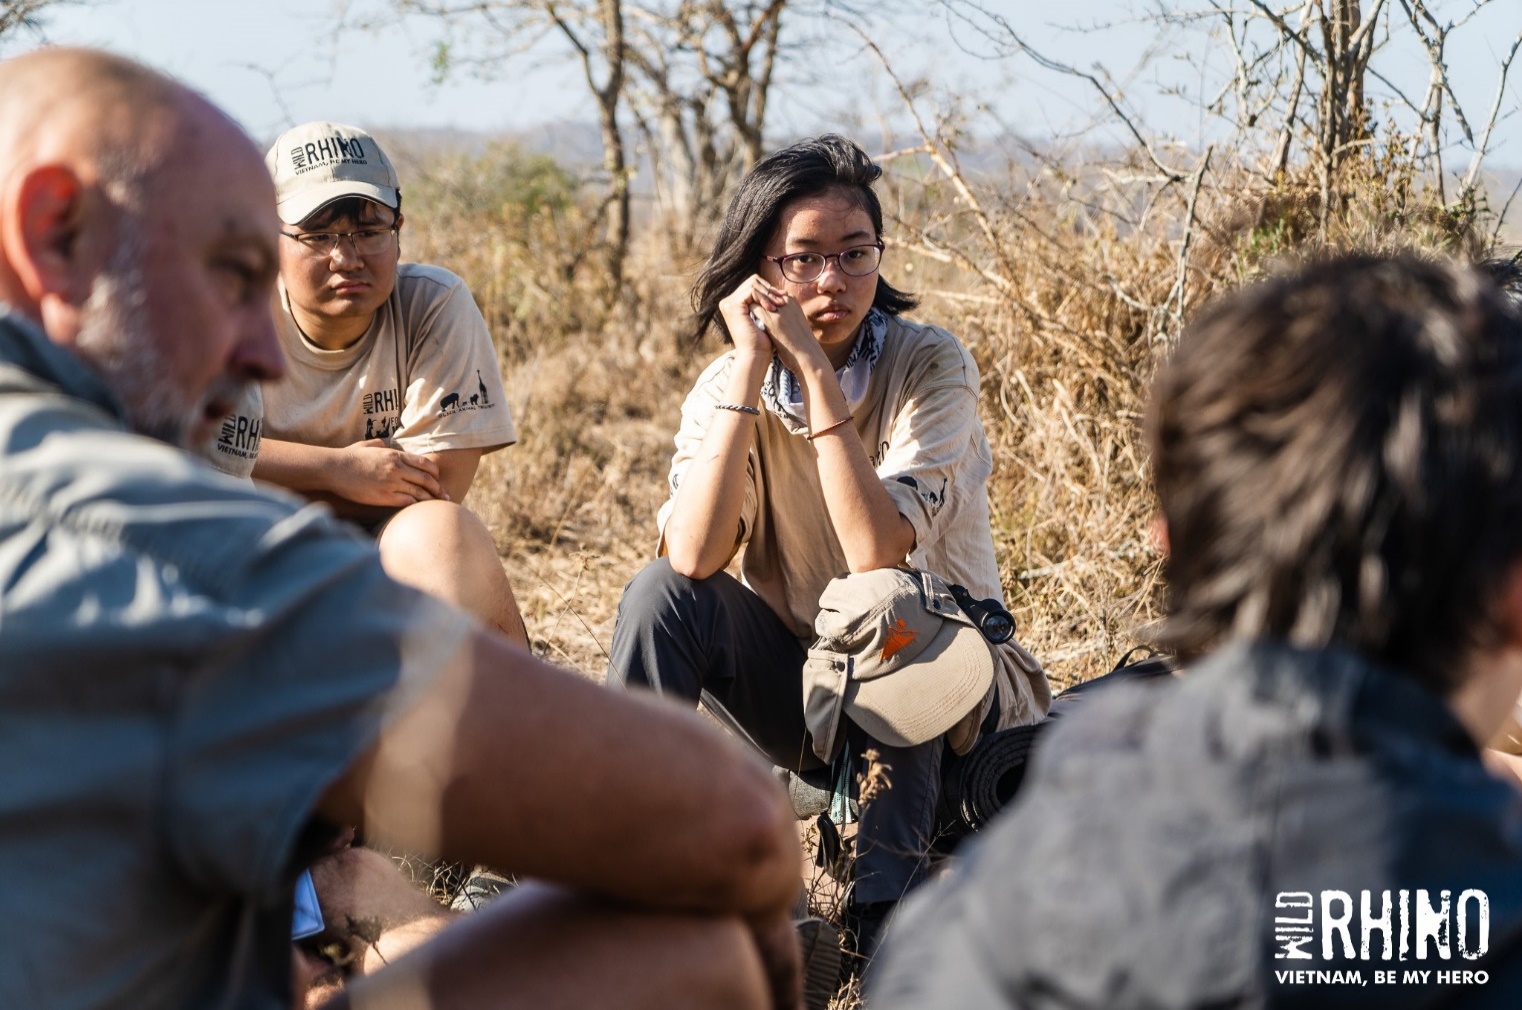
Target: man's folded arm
[{"x": 508, "y": 761}]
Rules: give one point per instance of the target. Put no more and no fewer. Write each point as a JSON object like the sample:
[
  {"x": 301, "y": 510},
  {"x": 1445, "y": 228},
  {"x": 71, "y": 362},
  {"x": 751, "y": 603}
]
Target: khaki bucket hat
[{"x": 897, "y": 655}]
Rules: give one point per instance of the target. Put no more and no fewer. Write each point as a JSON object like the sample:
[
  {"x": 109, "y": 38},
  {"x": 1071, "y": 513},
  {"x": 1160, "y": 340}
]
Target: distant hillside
[{"x": 576, "y": 145}]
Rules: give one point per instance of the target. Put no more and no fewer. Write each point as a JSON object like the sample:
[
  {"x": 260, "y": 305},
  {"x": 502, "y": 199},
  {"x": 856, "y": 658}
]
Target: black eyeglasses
[
  {"x": 366, "y": 242},
  {"x": 857, "y": 261}
]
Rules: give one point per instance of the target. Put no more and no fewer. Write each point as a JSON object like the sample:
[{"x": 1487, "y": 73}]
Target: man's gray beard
[{"x": 115, "y": 339}]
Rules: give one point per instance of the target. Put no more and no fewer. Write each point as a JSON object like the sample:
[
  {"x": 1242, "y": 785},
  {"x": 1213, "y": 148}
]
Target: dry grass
[{"x": 1069, "y": 283}]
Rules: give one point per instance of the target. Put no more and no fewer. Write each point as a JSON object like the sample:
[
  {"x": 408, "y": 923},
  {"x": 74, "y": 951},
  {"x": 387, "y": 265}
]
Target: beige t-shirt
[
  {"x": 919, "y": 423},
  {"x": 424, "y": 377}
]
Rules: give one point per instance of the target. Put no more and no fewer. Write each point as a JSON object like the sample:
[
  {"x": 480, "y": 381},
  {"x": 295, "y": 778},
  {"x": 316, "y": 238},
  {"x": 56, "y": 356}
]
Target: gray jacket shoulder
[{"x": 70, "y": 467}]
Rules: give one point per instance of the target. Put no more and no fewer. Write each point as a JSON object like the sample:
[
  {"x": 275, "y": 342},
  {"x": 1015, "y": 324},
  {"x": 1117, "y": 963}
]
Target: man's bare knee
[
  {"x": 446, "y": 551},
  {"x": 434, "y": 528}
]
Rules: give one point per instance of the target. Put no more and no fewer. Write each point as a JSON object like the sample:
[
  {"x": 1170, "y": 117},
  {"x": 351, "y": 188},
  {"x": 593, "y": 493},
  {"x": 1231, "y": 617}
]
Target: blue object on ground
[{"x": 308, "y": 918}]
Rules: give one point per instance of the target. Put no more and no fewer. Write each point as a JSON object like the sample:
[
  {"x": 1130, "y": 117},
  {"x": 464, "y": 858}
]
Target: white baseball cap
[{"x": 316, "y": 163}]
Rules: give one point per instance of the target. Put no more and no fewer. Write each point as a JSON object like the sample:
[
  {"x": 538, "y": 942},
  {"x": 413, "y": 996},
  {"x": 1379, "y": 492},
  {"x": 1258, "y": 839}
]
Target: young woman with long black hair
[{"x": 835, "y": 436}]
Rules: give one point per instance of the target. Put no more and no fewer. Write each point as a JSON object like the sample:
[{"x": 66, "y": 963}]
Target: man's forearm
[
  {"x": 307, "y": 470},
  {"x": 296, "y": 467},
  {"x": 370, "y": 474},
  {"x": 457, "y": 470},
  {"x": 514, "y": 763}
]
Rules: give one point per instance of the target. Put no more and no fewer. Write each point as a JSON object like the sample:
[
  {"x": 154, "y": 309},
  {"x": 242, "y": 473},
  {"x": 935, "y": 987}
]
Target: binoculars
[{"x": 988, "y": 616}]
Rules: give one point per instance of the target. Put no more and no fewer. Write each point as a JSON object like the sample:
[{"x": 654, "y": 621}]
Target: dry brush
[{"x": 1068, "y": 278}]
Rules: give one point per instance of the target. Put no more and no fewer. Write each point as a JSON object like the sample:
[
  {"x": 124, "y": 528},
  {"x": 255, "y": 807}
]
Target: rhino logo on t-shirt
[{"x": 239, "y": 436}]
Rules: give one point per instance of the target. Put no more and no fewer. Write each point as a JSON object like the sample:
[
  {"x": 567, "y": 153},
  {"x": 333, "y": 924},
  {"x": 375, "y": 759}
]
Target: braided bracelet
[
  {"x": 738, "y": 407},
  {"x": 829, "y": 427}
]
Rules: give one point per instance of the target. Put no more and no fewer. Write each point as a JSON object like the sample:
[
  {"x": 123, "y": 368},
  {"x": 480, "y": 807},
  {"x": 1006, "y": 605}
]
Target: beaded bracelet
[
  {"x": 739, "y": 407},
  {"x": 829, "y": 427}
]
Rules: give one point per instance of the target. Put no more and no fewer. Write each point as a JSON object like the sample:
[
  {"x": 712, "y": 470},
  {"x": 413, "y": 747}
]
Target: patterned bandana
[{"x": 783, "y": 395}]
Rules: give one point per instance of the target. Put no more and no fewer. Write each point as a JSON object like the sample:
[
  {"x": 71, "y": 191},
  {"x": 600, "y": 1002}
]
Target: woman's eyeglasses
[{"x": 857, "y": 261}]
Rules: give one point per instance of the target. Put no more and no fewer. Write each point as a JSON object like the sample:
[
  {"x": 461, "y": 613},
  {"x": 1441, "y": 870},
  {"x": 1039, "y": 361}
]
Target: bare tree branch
[
  {"x": 26, "y": 15},
  {"x": 1435, "y": 43},
  {"x": 954, "y": 7},
  {"x": 1300, "y": 38},
  {"x": 1181, "y": 284},
  {"x": 933, "y": 149},
  {"x": 1483, "y": 147},
  {"x": 1287, "y": 132}
]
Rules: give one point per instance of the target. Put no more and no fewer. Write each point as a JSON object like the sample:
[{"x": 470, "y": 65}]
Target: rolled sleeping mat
[{"x": 992, "y": 772}]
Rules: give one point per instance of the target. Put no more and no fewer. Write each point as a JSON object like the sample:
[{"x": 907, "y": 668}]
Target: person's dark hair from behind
[
  {"x": 1506, "y": 273},
  {"x": 1338, "y": 457},
  {"x": 812, "y": 167}
]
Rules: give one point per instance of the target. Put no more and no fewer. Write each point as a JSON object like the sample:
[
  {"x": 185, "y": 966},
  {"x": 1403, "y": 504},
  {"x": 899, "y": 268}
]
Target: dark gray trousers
[{"x": 716, "y": 640}]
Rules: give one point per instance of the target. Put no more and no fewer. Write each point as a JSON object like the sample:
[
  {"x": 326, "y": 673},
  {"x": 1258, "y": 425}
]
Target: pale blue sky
[{"x": 277, "y": 62}]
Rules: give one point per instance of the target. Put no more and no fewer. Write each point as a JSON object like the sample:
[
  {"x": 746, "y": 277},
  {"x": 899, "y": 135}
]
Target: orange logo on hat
[{"x": 898, "y": 636}]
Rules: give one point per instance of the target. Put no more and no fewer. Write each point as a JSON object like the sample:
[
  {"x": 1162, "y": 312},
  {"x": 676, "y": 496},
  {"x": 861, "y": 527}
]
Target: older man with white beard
[{"x": 199, "y": 679}]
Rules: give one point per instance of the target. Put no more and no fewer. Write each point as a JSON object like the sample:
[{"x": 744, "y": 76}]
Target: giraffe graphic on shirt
[{"x": 453, "y": 403}]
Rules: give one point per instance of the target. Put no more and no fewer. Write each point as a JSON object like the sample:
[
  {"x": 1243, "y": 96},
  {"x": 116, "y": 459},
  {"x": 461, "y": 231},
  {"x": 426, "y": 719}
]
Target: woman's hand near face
[
  {"x": 787, "y": 328},
  {"x": 753, "y": 295}
]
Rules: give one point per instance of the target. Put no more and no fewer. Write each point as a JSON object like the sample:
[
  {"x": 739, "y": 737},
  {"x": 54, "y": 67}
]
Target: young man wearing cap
[
  {"x": 1302, "y": 819},
  {"x": 392, "y": 393}
]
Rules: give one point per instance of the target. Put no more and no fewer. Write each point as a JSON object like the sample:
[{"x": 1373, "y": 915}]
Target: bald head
[
  {"x": 138, "y": 228},
  {"x": 106, "y": 115},
  {"x": 113, "y": 122}
]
